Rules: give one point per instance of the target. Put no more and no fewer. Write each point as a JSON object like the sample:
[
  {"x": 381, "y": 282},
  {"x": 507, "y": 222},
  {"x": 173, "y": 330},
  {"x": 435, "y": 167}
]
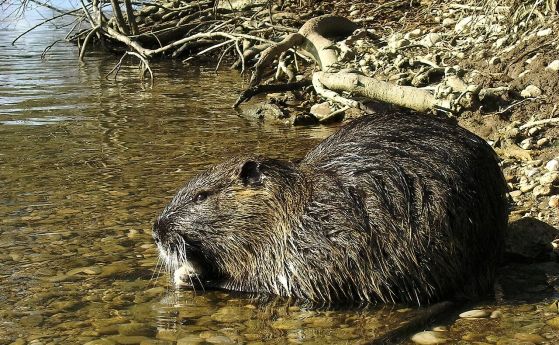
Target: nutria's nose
[{"x": 161, "y": 229}]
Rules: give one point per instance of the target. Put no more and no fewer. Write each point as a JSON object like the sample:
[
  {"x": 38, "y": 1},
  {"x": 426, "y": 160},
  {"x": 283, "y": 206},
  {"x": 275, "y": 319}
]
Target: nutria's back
[{"x": 392, "y": 207}]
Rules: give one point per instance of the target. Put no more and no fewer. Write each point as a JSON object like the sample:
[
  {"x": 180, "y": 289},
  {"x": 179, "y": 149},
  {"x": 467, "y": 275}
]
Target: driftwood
[{"x": 313, "y": 39}]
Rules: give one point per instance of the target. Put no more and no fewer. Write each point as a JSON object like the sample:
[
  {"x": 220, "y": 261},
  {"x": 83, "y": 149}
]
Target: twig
[
  {"x": 222, "y": 56},
  {"x": 539, "y": 122},
  {"x": 515, "y": 104},
  {"x": 258, "y": 89},
  {"x": 45, "y": 51},
  {"x": 241, "y": 56},
  {"x": 144, "y": 63},
  {"x": 207, "y": 50},
  {"x": 86, "y": 41},
  {"x": 44, "y": 22}
]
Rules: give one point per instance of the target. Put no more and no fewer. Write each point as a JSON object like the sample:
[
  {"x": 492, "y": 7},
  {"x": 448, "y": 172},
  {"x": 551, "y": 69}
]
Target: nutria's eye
[{"x": 201, "y": 196}]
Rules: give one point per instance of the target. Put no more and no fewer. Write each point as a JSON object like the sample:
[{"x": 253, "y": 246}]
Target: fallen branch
[
  {"x": 403, "y": 96},
  {"x": 539, "y": 122},
  {"x": 143, "y": 63},
  {"x": 312, "y": 38}
]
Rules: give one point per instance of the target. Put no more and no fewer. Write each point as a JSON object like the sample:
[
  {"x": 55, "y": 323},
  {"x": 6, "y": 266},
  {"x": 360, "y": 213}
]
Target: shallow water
[{"x": 86, "y": 163}]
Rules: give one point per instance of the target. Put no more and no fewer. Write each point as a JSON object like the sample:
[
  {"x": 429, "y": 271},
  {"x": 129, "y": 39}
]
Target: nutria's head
[{"x": 221, "y": 229}]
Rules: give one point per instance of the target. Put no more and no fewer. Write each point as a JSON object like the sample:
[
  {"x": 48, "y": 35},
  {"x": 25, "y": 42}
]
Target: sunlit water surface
[{"x": 86, "y": 163}]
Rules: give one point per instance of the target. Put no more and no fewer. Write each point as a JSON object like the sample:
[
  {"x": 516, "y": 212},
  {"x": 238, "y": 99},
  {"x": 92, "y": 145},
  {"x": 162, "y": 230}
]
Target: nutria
[{"x": 391, "y": 208}]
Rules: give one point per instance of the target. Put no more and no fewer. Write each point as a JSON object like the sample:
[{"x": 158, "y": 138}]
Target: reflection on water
[{"x": 85, "y": 165}]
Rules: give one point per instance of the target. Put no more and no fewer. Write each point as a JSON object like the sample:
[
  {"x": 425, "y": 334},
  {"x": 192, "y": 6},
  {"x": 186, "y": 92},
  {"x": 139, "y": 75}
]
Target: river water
[{"x": 86, "y": 164}]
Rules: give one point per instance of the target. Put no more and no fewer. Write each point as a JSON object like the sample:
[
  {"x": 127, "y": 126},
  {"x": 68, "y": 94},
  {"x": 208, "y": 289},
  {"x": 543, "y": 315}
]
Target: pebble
[
  {"x": 137, "y": 329},
  {"x": 554, "y": 201},
  {"x": 515, "y": 193},
  {"x": 128, "y": 339},
  {"x": 191, "y": 339},
  {"x": 542, "y": 141},
  {"x": 554, "y": 322},
  {"x": 531, "y": 91},
  {"x": 522, "y": 74},
  {"x": 91, "y": 270},
  {"x": 552, "y": 165},
  {"x": 495, "y": 60},
  {"x": 475, "y": 314},
  {"x": 219, "y": 339},
  {"x": 526, "y": 188},
  {"x": 533, "y": 338},
  {"x": 496, "y": 314},
  {"x": 321, "y": 110},
  {"x": 448, "y": 22},
  {"x": 553, "y": 66},
  {"x": 100, "y": 342},
  {"x": 549, "y": 178},
  {"x": 286, "y": 324},
  {"x": 544, "y": 32},
  {"x": 430, "y": 39},
  {"x": 232, "y": 314},
  {"x": 428, "y": 337},
  {"x": 413, "y": 34},
  {"x": 526, "y": 144},
  {"x": 541, "y": 190},
  {"x": 32, "y": 320}
]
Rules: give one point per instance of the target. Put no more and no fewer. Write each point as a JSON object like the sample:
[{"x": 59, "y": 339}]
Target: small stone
[
  {"x": 137, "y": 329},
  {"x": 533, "y": 338},
  {"x": 430, "y": 39},
  {"x": 448, "y": 22},
  {"x": 321, "y": 110},
  {"x": 554, "y": 201},
  {"x": 515, "y": 193},
  {"x": 534, "y": 130},
  {"x": 522, "y": 74},
  {"x": 413, "y": 34},
  {"x": 475, "y": 314},
  {"x": 526, "y": 144},
  {"x": 531, "y": 91},
  {"x": 191, "y": 339},
  {"x": 496, "y": 314},
  {"x": 128, "y": 339},
  {"x": 554, "y": 322},
  {"x": 544, "y": 32},
  {"x": 541, "y": 190},
  {"x": 531, "y": 172},
  {"x": 542, "y": 142},
  {"x": 495, "y": 60},
  {"x": 526, "y": 188},
  {"x": 549, "y": 178},
  {"x": 31, "y": 320},
  {"x": 219, "y": 339},
  {"x": 428, "y": 337},
  {"x": 100, "y": 342},
  {"x": 552, "y": 165},
  {"x": 440, "y": 329},
  {"x": 553, "y": 66},
  {"x": 286, "y": 324},
  {"x": 232, "y": 314}
]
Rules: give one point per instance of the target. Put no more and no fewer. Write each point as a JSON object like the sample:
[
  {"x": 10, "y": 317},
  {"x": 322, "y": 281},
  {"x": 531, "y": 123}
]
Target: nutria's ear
[{"x": 250, "y": 173}]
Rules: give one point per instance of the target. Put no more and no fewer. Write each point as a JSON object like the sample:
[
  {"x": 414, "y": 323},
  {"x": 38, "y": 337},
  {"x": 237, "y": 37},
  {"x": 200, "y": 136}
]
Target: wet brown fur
[{"x": 391, "y": 208}]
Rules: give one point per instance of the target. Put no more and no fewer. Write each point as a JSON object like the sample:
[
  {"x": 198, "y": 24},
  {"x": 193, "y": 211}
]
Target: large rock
[{"x": 529, "y": 239}]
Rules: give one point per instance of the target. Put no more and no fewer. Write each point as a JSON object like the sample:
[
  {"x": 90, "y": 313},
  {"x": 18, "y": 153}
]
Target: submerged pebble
[
  {"x": 475, "y": 314},
  {"x": 428, "y": 338}
]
